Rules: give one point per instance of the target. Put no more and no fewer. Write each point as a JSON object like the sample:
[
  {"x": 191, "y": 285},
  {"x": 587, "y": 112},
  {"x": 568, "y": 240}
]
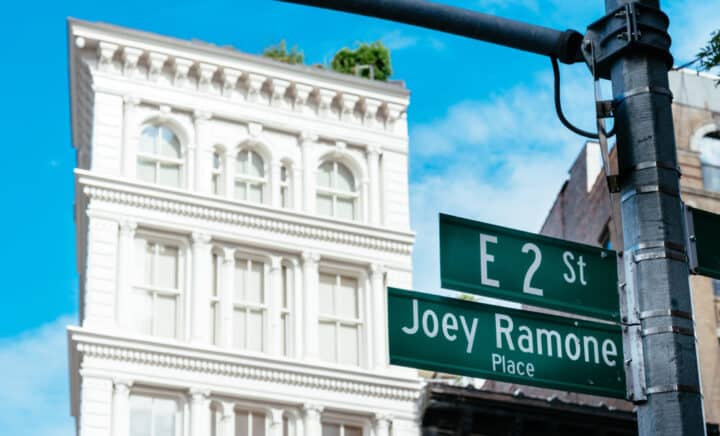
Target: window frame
[
  {"x": 712, "y": 136},
  {"x": 179, "y": 399},
  {"x": 248, "y": 307},
  {"x": 217, "y": 173},
  {"x": 158, "y": 159},
  {"x": 183, "y": 265},
  {"x": 334, "y": 418},
  {"x": 335, "y": 193},
  {"x": 285, "y": 188},
  {"x": 248, "y": 180},
  {"x": 360, "y": 276}
]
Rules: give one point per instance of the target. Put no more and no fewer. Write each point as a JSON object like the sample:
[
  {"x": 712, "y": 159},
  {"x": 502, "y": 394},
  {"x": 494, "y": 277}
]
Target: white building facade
[{"x": 238, "y": 221}]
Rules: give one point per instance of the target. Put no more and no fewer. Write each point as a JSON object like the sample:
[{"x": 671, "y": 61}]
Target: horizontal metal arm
[{"x": 523, "y": 36}]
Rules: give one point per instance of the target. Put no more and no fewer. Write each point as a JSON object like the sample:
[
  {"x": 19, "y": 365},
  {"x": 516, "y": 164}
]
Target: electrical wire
[{"x": 559, "y": 111}]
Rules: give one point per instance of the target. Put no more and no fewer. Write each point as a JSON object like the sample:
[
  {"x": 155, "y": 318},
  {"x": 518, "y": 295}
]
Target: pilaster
[
  {"x": 200, "y": 166},
  {"x": 379, "y": 329},
  {"x": 125, "y": 266},
  {"x": 381, "y": 422},
  {"x": 310, "y": 310},
  {"x": 275, "y": 300},
  {"x": 276, "y": 422},
  {"x": 131, "y": 135},
  {"x": 311, "y": 414},
  {"x": 202, "y": 270},
  {"x": 199, "y": 412},
  {"x": 121, "y": 407},
  {"x": 373, "y": 158},
  {"x": 227, "y": 421},
  {"x": 306, "y": 140}
]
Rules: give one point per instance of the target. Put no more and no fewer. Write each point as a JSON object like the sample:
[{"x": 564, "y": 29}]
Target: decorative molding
[
  {"x": 246, "y": 219},
  {"x": 247, "y": 371}
]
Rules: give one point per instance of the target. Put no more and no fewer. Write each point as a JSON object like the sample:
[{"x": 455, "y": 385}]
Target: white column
[
  {"x": 125, "y": 269},
  {"x": 297, "y": 316},
  {"x": 121, "y": 408},
  {"x": 199, "y": 412},
  {"x": 226, "y": 297},
  {"x": 276, "y": 422},
  {"x": 382, "y": 425},
  {"x": 365, "y": 201},
  {"x": 227, "y": 421},
  {"x": 130, "y": 136},
  {"x": 274, "y": 302},
  {"x": 202, "y": 278},
  {"x": 200, "y": 159},
  {"x": 373, "y": 157},
  {"x": 275, "y": 184},
  {"x": 311, "y": 419},
  {"x": 308, "y": 170},
  {"x": 379, "y": 329},
  {"x": 229, "y": 173},
  {"x": 310, "y": 311}
]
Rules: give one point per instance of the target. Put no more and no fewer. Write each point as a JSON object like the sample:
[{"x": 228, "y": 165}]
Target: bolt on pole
[{"x": 652, "y": 225}]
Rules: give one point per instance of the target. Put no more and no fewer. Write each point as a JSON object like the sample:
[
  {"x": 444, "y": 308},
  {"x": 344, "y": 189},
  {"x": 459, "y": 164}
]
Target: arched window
[
  {"x": 336, "y": 194},
  {"x": 249, "y": 176},
  {"x": 217, "y": 172},
  {"x": 709, "y": 146},
  {"x": 160, "y": 156},
  {"x": 284, "y": 187}
]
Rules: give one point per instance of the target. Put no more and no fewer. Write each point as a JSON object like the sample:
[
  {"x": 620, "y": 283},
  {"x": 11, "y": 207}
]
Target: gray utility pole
[
  {"x": 653, "y": 225},
  {"x": 630, "y": 46}
]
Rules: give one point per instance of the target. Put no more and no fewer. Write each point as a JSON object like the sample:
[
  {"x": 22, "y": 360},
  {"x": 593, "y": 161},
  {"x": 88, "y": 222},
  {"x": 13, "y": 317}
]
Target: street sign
[
  {"x": 509, "y": 264},
  {"x": 480, "y": 340},
  {"x": 704, "y": 244}
]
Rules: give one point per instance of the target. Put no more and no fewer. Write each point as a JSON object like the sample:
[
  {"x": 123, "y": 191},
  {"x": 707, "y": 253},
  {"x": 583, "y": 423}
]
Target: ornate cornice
[
  {"x": 177, "y": 361},
  {"x": 230, "y": 74},
  {"x": 280, "y": 224}
]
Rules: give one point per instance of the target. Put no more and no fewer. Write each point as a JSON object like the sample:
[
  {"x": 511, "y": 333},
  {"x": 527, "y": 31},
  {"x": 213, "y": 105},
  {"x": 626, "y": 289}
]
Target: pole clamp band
[
  {"x": 685, "y": 331},
  {"x": 647, "y": 314},
  {"x": 663, "y": 253},
  {"x": 655, "y": 164},
  {"x": 659, "y": 90},
  {"x": 647, "y": 189},
  {"x": 661, "y": 389},
  {"x": 676, "y": 246}
]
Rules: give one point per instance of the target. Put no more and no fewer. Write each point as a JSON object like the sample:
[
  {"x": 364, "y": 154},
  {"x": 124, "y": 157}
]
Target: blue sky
[{"x": 483, "y": 137}]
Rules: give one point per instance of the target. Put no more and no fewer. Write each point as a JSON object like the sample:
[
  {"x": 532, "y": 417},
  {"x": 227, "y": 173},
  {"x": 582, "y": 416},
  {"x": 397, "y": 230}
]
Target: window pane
[
  {"x": 327, "y": 341},
  {"x": 240, "y": 191},
  {"x": 258, "y": 424},
  {"x": 330, "y": 429},
  {"x": 345, "y": 208},
  {"x": 241, "y": 424},
  {"x": 284, "y": 271},
  {"x": 166, "y": 275},
  {"x": 711, "y": 177},
  {"x": 241, "y": 162},
  {"x": 254, "y": 292},
  {"x": 353, "y": 431},
  {"x": 284, "y": 334},
  {"x": 239, "y": 319},
  {"x": 346, "y": 298},
  {"x": 323, "y": 175},
  {"x": 142, "y": 275},
  {"x": 215, "y": 323},
  {"x": 216, "y": 184},
  {"x": 710, "y": 148},
  {"x": 255, "y": 193},
  {"x": 326, "y": 285},
  {"x": 169, "y": 175},
  {"x": 255, "y": 330},
  {"x": 345, "y": 180},
  {"x": 217, "y": 162},
  {"x": 284, "y": 200},
  {"x": 140, "y": 416},
  {"x": 141, "y": 310},
  {"x": 165, "y": 316},
  {"x": 348, "y": 343},
  {"x": 283, "y": 174},
  {"x": 324, "y": 205},
  {"x": 147, "y": 140},
  {"x": 256, "y": 169},
  {"x": 240, "y": 274},
  {"x": 146, "y": 170},
  {"x": 164, "y": 417},
  {"x": 169, "y": 143}
]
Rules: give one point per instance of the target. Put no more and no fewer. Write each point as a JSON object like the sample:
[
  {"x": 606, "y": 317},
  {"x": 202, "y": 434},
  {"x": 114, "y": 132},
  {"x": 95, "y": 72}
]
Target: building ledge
[
  {"x": 110, "y": 345},
  {"x": 261, "y": 217}
]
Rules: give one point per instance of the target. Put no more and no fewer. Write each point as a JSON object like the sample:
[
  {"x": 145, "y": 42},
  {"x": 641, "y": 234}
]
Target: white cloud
[
  {"x": 504, "y": 160},
  {"x": 396, "y": 40},
  {"x": 34, "y": 383}
]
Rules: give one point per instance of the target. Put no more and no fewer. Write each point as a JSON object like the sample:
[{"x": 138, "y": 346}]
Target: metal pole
[
  {"x": 654, "y": 241},
  {"x": 523, "y": 36}
]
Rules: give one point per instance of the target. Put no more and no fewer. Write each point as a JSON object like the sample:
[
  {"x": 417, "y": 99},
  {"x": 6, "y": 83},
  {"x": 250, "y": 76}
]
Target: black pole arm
[{"x": 564, "y": 46}]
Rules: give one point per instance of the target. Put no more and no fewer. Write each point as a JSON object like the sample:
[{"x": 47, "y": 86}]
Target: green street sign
[
  {"x": 479, "y": 340},
  {"x": 498, "y": 262},
  {"x": 704, "y": 244}
]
